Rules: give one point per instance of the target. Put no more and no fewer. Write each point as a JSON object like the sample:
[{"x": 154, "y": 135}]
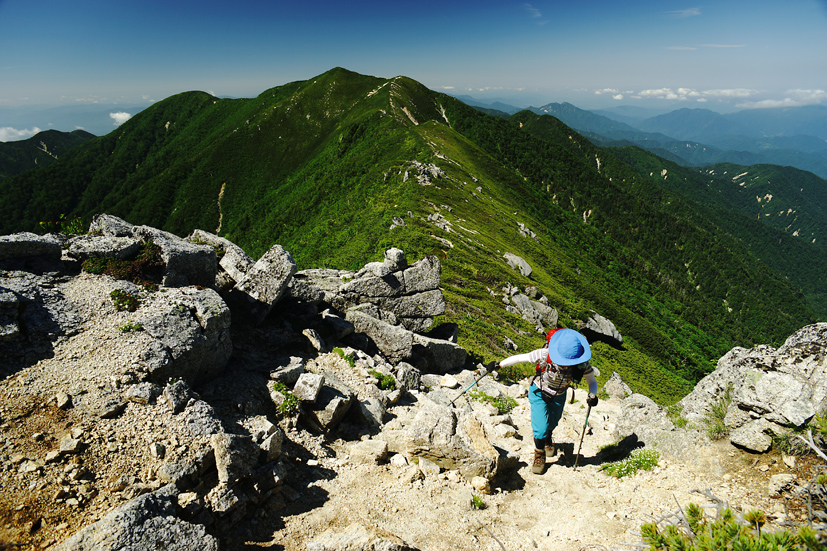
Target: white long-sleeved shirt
[{"x": 540, "y": 355}]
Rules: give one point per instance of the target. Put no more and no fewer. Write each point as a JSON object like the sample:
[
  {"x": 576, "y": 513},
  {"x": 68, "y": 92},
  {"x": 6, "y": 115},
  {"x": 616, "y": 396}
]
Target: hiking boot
[
  {"x": 550, "y": 449},
  {"x": 539, "y": 462}
]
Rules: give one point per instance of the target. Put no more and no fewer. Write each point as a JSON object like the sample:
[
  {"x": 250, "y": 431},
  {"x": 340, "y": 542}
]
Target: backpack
[{"x": 576, "y": 372}]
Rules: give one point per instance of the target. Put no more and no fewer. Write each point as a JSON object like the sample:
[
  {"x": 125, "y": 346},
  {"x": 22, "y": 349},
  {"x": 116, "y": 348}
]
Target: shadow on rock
[
  {"x": 34, "y": 315},
  {"x": 609, "y": 454}
]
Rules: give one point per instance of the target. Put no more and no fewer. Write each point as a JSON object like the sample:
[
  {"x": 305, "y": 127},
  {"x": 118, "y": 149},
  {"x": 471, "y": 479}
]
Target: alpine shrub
[{"x": 696, "y": 533}]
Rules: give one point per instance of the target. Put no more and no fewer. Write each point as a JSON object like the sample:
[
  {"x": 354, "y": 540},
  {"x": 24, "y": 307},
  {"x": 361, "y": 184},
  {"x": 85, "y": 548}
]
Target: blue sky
[{"x": 723, "y": 55}]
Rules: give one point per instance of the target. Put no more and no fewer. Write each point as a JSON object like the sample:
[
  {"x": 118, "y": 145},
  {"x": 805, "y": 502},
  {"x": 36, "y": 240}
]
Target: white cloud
[
  {"x": 120, "y": 117},
  {"x": 9, "y": 134},
  {"x": 723, "y": 45},
  {"x": 533, "y": 12},
  {"x": 683, "y": 94},
  {"x": 689, "y": 12},
  {"x": 795, "y": 98},
  {"x": 496, "y": 88},
  {"x": 659, "y": 93},
  {"x": 617, "y": 96},
  {"x": 729, "y": 93},
  {"x": 607, "y": 91},
  {"x": 87, "y": 99}
]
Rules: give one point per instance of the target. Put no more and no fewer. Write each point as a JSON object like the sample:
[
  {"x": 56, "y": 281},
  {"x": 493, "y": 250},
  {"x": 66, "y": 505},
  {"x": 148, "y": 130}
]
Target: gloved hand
[
  {"x": 591, "y": 400},
  {"x": 486, "y": 369}
]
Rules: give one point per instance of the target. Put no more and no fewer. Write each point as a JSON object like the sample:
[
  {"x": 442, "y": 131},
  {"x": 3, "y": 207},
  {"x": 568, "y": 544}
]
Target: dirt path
[{"x": 562, "y": 509}]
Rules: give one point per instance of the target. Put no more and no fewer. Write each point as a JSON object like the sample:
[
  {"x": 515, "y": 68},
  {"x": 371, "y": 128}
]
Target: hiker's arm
[
  {"x": 589, "y": 377},
  {"x": 529, "y": 357},
  {"x": 592, "y": 399}
]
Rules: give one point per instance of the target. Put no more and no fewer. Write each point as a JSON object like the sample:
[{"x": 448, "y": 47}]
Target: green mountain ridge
[
  {"x": 41, "y": 150},
  {"x": 325, "y": 167}
]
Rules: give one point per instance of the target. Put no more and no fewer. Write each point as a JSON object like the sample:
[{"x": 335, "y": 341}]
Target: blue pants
[{"x": 545, "y": 411}]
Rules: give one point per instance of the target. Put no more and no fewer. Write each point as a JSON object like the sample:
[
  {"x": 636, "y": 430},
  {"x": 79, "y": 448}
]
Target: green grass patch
[
  {"x": 386, "y": 382},
  {"x": 674, "y": 414},
  {"x": 714, "y": 420},
  {"x": 145, "y": 268},
  {"x": 290, "y": 405},
  {"x": 125, "y": 301},
  {"x": 346, "y": 357},
  {"x": 638, "y": 460},
  {"x": 503, "y": 403},
  {"x": 130, "y": 326}
]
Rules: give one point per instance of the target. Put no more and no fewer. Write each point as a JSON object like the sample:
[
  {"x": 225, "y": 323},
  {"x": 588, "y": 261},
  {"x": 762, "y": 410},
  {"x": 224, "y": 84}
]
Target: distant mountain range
[
  {"x": 340, "y": 167},
  {"x": 795, "y": 136}
]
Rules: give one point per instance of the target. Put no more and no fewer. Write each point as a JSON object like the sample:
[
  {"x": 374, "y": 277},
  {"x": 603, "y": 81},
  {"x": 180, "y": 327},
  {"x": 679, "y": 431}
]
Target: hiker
[{"x": 565, "y": 359}]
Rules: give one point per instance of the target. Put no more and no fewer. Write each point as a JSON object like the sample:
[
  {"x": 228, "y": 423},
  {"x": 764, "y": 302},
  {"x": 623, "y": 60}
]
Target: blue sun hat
[{"x": 568, "y": 347}]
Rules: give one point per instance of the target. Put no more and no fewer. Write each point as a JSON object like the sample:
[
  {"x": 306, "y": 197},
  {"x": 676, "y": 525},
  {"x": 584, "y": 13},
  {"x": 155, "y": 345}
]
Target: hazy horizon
[{"x": 659, "y": 55}]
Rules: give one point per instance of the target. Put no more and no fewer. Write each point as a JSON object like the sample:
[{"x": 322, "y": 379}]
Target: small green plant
[
  {"x": 386, "y": 382},
  {"x": 130, "y": 326},
  {"x": 715, "y": 426},
  {"x": 675, "y": 414},
  {"x": 290, "y": 405},
  {"x": 144, "y": 269},
  {"x": 796, "y": 442},
  {"x": 217, "y": 247},
  {"x": 125, "y": 301},
  {"x": 64, "y": 225},
  {"x": 504, "y": 404},
  {"x": 516, "y": 372},
  {"x": 346, "y": 357},
  {"x": 638, "y": 460},
  {"x": 478, "y": 503},
  {"x": 693, "y": 532}
]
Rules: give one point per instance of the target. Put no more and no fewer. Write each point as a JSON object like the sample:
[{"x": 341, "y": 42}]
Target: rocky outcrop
[
  {"x": 533, "y": 311},
  {"x": 388, "y": 302},
  {"x": 616, "y": 388},
  {"x": 21, "y": 245},
  {"x": 34, "y": 314},
  {"x": 395, "y": 342},
  {"x": 146, "y": 523},
  {"x": 518, "y": 263},
  {"x": 264, "y": 283},
  {"x": 408, "y": 296},
  {"x": 452, "y": 441},
  {"x": 106, "y": 224},
  {"x": 598, "y": 328},
  {"x": 159, "y": 395},
  {"x": 185, "y": 263},
  {"x": 83, "y": 247},
  {"x": 232, "y": 259},
  {"x": 770, "y": 390},
  {"x": 192, "y": 327}
]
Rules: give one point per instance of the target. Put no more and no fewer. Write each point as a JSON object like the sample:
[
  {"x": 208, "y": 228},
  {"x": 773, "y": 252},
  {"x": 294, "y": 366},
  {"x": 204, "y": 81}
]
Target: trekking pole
[
  {"x": 582, "y": 434},
  {"x": 470, "y": 386}
]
